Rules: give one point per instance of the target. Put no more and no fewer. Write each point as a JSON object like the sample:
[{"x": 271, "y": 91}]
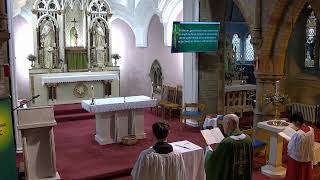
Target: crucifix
[{"x": 74, "y": 22}]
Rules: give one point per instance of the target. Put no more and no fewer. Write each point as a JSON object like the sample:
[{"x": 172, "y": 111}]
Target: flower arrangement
[
  {"x": 32, "y": 58},
  {"x": 115, "y": 57}
]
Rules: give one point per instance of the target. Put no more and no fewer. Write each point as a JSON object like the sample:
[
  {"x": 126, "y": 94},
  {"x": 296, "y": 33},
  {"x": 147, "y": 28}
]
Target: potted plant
[
  {"x": 32, "y": 58},
  {"x": 115, "y": 57}
]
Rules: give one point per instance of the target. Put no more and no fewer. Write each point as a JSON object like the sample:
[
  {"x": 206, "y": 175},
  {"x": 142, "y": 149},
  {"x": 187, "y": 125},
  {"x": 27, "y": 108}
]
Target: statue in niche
[
  {"x": 47, "y": 40},
  {"x": 99, "y": 42},
  {"x": 99, "y": 35}
]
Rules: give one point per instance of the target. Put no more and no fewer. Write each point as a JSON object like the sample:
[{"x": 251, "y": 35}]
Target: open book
[
  {"x": 212, "y": 136},
  {"x": 287, "y": 133}
]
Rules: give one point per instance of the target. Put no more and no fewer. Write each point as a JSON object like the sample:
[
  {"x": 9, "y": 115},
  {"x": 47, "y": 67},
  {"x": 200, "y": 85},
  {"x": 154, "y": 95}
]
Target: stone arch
[
  {"x": 95, "y": 2},
  {"x": 246, "y": 11},
  {"x": 71, "y": 3},
  {"x": 280, "y": 26},
  {"x": 36, "y": 3},
  {"x": 146, "y": 34},
  {"x": 169, "y": 14}
]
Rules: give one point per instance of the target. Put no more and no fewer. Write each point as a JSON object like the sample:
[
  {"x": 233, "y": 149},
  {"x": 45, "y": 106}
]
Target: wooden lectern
[{"x": 36, "y": 125}]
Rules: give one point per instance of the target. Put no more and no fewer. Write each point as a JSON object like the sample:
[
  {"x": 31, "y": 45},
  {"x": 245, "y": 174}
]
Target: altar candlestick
[
  {"x": 277, "y": 87},
  {"x": 92, "y": 95},
  {"x": 92, "y": 91}
]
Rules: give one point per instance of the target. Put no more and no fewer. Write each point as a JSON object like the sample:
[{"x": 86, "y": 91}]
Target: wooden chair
[
  {"x": 177, "y": 105},
  {"x": 163, "y": 98},
  {"x": 171, "y": 99},
  {"x": 197, "y": 112},
  {"x": 258, "y": 146}
]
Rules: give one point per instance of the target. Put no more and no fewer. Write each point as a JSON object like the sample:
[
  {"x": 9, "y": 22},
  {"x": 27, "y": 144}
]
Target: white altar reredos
[{"x": 72, "y": 52}]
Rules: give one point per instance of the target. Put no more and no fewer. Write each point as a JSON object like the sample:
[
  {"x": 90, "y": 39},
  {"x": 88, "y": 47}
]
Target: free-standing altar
[
  {"x": 72, "y": 52},
  {"x": 119, "y": 117}
]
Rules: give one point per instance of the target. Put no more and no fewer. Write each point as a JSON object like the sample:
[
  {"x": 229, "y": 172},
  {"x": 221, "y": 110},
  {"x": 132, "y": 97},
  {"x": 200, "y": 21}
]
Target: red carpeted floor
[{"x": 80, "y": 157}]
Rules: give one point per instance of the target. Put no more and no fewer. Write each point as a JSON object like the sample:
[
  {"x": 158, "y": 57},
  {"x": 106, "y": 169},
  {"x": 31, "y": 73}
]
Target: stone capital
[{"x": 270, "y": 76}]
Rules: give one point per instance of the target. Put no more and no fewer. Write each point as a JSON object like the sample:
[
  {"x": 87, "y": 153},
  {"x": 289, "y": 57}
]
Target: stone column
[
  {"x": 265, "y": 83},
  {"x": 190, "y": 60}
]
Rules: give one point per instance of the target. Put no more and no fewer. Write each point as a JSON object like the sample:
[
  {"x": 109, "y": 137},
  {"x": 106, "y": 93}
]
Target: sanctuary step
[{"x": 71, "y": 112}]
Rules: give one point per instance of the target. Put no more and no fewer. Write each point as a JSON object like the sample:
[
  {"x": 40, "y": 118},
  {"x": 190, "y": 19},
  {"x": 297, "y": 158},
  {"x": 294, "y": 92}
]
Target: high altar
[{"x": 72, "y": 52}]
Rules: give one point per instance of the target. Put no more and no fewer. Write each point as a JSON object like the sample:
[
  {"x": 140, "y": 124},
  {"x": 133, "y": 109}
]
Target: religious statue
[
  {"x": 99, "y": 36},
  {"x": 100, "y": 45},
  {"x": 48, "y": 44}
]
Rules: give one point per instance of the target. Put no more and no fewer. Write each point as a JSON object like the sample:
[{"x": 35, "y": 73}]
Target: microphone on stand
[
  {"x": 35, "y": 97},
  {"x": 21, "y": 105}
]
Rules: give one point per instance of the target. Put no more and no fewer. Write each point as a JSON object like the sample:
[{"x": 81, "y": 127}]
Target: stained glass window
[
  {"x": 248, "y": 52},
  {"x": 236, "y": 45},
  {"x": 311, "y": 31}
]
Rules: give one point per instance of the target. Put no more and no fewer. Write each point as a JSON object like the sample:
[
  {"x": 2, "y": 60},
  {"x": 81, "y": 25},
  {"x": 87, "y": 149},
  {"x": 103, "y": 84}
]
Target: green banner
[
  {"x": 195, "y": 36},
  {"x": 7, "y": 148}
]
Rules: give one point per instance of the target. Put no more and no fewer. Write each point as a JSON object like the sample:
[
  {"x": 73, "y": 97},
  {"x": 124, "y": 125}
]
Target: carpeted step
[
  {"x": 68, "y": 109},
  {"x": 74, "y": 117}
]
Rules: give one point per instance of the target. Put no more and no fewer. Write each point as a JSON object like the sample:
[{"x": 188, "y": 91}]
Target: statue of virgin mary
[{"x": 48, "y": 43}]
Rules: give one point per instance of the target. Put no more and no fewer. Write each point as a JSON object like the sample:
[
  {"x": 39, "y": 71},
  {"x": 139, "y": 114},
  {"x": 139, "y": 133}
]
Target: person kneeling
[
  {"x": 232, "y": 158},
  {"x": 159, "y": 162}
]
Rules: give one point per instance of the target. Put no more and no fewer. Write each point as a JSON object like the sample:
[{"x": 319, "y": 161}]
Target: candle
[
  {"x": 277, "y": 87},
  {"x": 92, "y": 91}
]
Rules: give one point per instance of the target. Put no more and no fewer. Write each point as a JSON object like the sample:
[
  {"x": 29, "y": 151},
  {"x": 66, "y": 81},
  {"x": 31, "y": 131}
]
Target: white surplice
[
  {"x": 153, "y": 166},
  {"x": 301, "y": 146}
]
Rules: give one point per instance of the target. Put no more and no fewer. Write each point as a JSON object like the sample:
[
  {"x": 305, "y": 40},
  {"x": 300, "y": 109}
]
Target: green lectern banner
[
  {"x": 195, "y": 36},
  {"x": 7, "y": 149}
]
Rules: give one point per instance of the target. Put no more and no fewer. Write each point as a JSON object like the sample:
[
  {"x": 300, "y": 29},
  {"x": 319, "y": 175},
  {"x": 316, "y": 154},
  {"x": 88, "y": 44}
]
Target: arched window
[
  {"x": 248, "y": 52},
  {"x": 311, "y": 31},
  {"x": 236, "y": 45}
]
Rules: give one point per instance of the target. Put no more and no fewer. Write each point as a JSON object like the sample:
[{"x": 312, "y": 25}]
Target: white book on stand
[
  {"x": 287, "y": 133},
  {"x": 212, "y": 136}
]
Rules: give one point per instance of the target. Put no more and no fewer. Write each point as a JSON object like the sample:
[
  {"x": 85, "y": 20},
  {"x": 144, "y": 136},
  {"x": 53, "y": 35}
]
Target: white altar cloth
[
  {"x": 193, "y": 156},
  {"x": 119, "y": 103},
  {"x": 118, "y": 117},
  {"x": 76, "y": 77}
]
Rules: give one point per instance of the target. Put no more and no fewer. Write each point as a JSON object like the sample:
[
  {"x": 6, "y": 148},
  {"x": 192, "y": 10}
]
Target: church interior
[{"x": 82, "y": 83}]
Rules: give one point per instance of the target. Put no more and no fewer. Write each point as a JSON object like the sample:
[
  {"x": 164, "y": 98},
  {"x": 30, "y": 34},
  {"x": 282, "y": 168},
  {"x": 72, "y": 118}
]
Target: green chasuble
[{"x": 231, "y": 160}]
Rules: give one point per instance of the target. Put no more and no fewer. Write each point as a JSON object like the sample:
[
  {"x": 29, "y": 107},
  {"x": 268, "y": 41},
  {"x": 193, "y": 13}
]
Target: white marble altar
[
  {"x": 65, "y": 88},
  {"x": 118, "y": 117},
  {"x": 72, "y": 38},
  {"x": 274, "y": 167}
]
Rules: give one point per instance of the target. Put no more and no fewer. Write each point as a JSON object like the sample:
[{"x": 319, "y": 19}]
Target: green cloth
[
  {"x": 76, "y": 60},
  {"x": 232, "y": 159}
]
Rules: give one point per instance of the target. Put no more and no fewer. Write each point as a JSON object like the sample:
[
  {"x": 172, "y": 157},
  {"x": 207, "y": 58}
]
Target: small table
[
  {"x": 193, "y": 156},
  {"x": 118, "y": 117}
]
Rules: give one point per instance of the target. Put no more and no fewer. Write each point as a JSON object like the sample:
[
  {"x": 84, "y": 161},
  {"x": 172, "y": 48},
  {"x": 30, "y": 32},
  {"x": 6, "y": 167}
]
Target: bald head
[{"x": 230, "y": 123}]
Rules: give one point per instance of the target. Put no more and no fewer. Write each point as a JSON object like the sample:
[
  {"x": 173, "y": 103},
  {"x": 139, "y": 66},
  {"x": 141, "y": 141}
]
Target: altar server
[
  {"x": 300, "y": 150},
  {"x": 232, "y": 158},
  {"x": 159, "y": 162}
]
